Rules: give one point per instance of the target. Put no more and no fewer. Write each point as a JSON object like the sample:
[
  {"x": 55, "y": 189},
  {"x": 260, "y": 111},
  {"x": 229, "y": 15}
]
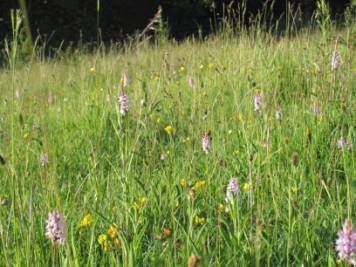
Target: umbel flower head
[
  {"x": 232, "y": 190},
  {"x": 206, "y": 142},
  {"x": 257, "y": 101},
  {"x": 335, "y": 61},
  {"x": 346, "y": 243},
  {"x": 56, "y": 228},
  {"x": 124, "y": 103}
]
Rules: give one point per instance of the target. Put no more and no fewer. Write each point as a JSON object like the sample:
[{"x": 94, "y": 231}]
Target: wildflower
[
  {"x": 346, "y": 243},
  {"x": 186, "y": 140},
  {"x": 87, "y": 220},
  {"x": 335, "y": 60},
  {"x": 183, "y": 182},
  {"x": 112, "y": 232},
  {"x": 156, "y": 77},
  {"x": 181, "y": 68},
  {"x": 193, "y": 261},
  {"x": 166, "y": 232},
  {"x": 56, "y": 228},
  {"x": 199, "y": 184},
  {"x": 210, "y": 65},
  {"x": 163, "y": 156},
  {"x": 206, "y": 142},
  {"x": 25, "y": 135},
  {"x": 258, "y": 102},
  {"x": 221, "y": 208},
  {"x": 4, "y": 201},
  {"x": 237, "y": 117},
  {"x": 169, "y": 129},
  {"x": 125, "y": 79},
  {"x": 341, "y": 143},
  {"x": 103, "y": 242},
  {"x": 191, "y": 81},
  {"x": 44, "y": 159},
  {"x": 293, "y": 189},
  {"x": 232, "y": 190},
  {"x": 199, "y": 220},
  {"x": 123, "y": 102},
  {"x": 278, "y": 113},
  {"x": 201, "y": 66},
  {"x": 142, "y": 200},
  {"x": 246, "y": 186},
  {"x": 51, "y": 98},
  {"x": 92, "y": 69}
]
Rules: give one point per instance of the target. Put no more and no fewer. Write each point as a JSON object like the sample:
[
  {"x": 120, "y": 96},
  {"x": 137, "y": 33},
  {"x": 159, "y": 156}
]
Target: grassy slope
[{"x": 302, "y": 186}]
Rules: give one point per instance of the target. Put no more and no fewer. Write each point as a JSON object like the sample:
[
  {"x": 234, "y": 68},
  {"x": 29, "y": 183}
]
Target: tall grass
[{"x": 296, "y": 186}]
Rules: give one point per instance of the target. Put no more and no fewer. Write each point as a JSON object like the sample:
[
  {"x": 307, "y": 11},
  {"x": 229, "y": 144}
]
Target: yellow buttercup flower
[
  {"x": 221, "y": 207},
  {"x": 198, "y": 185},
  {"x": 102, "y": 239},
  {"x": 183, "y": 182},
  {"x": 199, "y": 220},
  {"x": 181, "y": 68},
  {"x": 92, "y": 69},
  {"x": 87, "y": 220},
  {"x": 293, "y": 189},
  {"x": 169, "y": 129},
  {"x": 112, "y": 232},
  {"x": 246, "y": 186}
]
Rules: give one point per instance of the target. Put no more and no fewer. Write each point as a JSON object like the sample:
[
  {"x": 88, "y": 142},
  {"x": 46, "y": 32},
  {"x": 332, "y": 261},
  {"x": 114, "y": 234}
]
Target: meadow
[{"x": 136, "y": 147}]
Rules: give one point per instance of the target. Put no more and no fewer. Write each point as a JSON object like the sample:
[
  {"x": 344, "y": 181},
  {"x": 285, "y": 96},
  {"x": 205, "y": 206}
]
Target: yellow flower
[
  {"x": 166, "y": 232},
  {"x": 181, "y": 68},
  {"x": 112, "y": 232},
  {"x": 199, "y": 220},
  {"x": 158, "y": 120},
  {"x": 293, "y": 189},
  {"x": 25, "y": 135},
  {"x": 183, "y": 182},
  {"x": 185, "y": 140},
  {"x": 198, "y": 185},
  {"x": 246, "y": 186},
  {"x": 142, "y": 200},
  {"x": 169, "y": 129},
  {"x": 102, "y": 239},
  {"x": 221, "y": 207},
  {"x": 237, "y": 117},
  {"x": 201, "y": 66},
  {"x": 92, "y": 69},
  {"x": 156, "y": 77},
  {"x": 210, "y": 65},
  {"x": 87, "y": 220}
]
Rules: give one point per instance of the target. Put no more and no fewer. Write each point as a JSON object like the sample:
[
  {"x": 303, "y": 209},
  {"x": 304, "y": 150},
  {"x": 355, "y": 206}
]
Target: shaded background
[{"x": 74, "y": 20}]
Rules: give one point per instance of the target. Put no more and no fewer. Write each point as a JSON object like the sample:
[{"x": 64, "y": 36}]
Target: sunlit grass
[{"x": 139, "y": 190}]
